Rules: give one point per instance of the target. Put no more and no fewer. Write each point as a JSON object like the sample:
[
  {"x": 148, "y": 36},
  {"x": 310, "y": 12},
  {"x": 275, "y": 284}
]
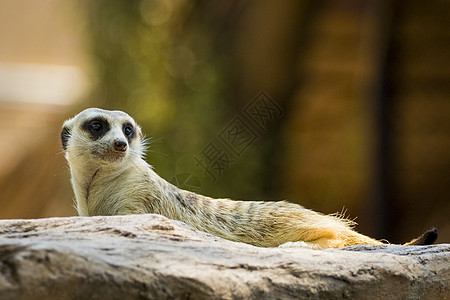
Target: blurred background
[{"x": 335, "y": 105}]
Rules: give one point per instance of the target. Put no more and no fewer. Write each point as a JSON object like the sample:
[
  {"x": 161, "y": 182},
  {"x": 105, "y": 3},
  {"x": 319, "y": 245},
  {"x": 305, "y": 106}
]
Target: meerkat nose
[{"x": 120, "y": 145}]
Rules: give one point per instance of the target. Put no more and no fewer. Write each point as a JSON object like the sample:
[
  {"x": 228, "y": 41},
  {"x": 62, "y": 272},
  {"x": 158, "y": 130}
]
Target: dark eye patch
[
  {"x": 129, "y": 131},
  {"x": 96, "y": 127}
]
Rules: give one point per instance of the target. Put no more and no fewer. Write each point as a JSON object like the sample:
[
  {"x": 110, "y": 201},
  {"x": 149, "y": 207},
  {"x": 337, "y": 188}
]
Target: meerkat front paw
[{"x": 295, "y": 245}]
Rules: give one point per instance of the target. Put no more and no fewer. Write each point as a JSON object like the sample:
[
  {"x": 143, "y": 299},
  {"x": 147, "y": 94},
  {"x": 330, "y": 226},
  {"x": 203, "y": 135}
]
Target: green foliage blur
[{"x": 161, "y": 62}]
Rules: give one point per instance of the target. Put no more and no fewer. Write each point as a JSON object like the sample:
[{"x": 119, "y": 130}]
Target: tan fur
[{"x": 105, "y": 184}]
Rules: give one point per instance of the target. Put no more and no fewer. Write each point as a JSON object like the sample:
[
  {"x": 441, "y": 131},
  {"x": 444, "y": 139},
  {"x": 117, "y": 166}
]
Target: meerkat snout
[{"x": 120, "y": 145}]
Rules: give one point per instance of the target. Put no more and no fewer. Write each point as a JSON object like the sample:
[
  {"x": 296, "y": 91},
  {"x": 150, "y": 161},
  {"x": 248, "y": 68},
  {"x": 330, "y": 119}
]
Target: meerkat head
[{"x": 97, "y": 135}]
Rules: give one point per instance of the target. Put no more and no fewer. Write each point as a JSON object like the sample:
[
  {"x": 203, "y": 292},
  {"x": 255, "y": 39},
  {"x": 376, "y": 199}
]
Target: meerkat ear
[{"x": 65, "y": 135}]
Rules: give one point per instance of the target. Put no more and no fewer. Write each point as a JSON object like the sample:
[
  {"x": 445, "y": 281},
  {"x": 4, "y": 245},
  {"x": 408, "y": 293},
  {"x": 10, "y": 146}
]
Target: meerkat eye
[
  {"x": 95, "y": 126},
  {"x": 128, "y": 130}
]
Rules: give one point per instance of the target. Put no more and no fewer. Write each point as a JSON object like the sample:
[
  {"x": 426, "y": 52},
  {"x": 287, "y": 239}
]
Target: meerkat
[{"x": 109, "y": 176}]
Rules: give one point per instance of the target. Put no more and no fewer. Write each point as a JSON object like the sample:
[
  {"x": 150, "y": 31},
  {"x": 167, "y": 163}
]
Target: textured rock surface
[{"x": 152, "y": 257}]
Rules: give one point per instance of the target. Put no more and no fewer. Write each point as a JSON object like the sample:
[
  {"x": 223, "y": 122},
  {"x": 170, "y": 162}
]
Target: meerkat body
[{"x": 109, "y": 177}]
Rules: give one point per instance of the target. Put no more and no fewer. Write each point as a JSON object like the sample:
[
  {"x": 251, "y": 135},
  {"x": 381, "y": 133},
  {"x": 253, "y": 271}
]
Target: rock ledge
[{"x": 152, "y": 257}]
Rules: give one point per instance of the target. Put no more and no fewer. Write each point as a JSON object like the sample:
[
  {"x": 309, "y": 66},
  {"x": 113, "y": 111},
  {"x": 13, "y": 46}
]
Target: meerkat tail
[{"x": 427, "y": 238}]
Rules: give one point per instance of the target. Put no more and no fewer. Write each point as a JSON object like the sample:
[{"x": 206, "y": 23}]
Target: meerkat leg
[
  {"x": 317, "y": 244},
  {"x": 327, "y": 232},
  {"x": 324, "y": 243}
]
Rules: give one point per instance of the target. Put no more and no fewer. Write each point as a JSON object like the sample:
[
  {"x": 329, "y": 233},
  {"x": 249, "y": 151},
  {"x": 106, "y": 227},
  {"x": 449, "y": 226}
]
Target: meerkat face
[{"x": 101, "y": 135}]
